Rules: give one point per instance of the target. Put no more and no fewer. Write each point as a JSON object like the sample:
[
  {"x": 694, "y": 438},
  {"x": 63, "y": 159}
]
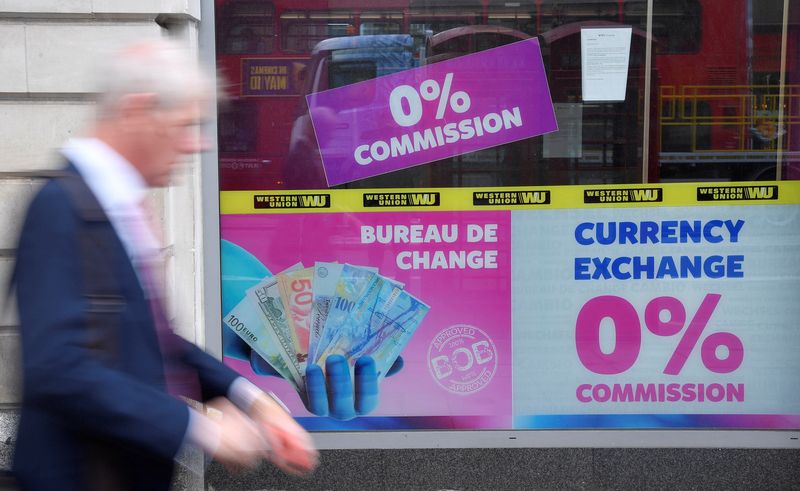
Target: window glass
[{"x": 714, "y": 102}]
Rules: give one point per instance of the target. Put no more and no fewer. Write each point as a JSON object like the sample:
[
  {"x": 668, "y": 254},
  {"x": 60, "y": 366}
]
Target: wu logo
[
  {"x": 314, "y": 201},
  {"x": 423, "y": 199},
  {"x": 534, "y": 197},
  {"x": 761, "y": 192},
  {"x": 645, "y": 194}
]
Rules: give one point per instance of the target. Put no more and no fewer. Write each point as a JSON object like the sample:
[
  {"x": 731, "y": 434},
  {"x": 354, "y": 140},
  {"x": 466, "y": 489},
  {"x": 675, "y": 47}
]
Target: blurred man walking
[{"x": 103, "y": 371}]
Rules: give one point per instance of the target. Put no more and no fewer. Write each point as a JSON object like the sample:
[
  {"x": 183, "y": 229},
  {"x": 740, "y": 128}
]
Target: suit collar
[
  {"x": 120, "y": 190},
  {"x": 113, "y": 180}
]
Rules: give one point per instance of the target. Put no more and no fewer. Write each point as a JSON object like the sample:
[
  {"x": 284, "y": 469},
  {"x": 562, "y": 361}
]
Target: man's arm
[
  {"x": 290, "y": 446},
  {"x": 215, "y": 377}
]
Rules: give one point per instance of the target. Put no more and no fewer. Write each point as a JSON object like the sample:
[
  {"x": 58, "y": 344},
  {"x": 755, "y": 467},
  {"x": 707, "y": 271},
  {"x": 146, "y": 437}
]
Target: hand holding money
[
  {"x": 332, "y": 331},
  {"x": 333, "y": 394}
]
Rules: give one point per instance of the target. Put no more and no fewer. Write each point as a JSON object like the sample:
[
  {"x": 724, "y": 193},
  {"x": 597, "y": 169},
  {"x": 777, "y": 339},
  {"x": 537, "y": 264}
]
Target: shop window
[{"x": 714, "y": 81}]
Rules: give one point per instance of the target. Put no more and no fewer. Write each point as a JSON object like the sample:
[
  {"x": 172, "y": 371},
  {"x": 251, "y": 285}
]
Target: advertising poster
[
  {"x": 432, "y": 112},
  {"x": 660, "y": 306}
]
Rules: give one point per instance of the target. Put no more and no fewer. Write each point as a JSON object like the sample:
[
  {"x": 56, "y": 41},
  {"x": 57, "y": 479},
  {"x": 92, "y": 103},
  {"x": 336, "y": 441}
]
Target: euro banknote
[{"x": 247, "y": 321}]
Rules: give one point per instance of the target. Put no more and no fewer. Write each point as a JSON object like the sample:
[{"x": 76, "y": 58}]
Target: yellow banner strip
[{"x": 510, "y": 198}]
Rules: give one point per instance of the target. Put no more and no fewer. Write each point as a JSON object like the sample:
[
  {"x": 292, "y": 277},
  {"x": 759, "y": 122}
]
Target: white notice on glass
[{"x": 604, "y": 63}]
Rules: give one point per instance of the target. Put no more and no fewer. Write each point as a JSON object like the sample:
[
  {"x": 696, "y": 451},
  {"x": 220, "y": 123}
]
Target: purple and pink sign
[{"x": 432, "y": 112}]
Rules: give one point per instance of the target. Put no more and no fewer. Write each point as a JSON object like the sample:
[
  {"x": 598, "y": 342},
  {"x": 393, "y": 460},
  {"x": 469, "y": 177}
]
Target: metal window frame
[{"x": 522, "y": 438}]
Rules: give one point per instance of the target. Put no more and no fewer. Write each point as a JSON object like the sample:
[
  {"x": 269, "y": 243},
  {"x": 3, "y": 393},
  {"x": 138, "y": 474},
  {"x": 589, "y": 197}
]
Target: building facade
[{"x": 706, "y": 81}]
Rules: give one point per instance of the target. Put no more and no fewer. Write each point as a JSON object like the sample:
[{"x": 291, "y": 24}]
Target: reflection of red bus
[
  {"x": 719, "y": 94},
  {"x": 714, "y": 104}
]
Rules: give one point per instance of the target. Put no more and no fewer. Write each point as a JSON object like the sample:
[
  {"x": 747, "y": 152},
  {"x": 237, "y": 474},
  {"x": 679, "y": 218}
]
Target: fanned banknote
[
  {"x": 297, "y": 296},
  {"x": 247, "y": 321},
  {"x": 400, "y": 323},
  {"x": 353, "y": 280},
  {"x": 380, "y": 327},
  {"x": 267, "y": 297},
  {"x": 350, "y": 332},
  {"x": 326, "y": 275}
]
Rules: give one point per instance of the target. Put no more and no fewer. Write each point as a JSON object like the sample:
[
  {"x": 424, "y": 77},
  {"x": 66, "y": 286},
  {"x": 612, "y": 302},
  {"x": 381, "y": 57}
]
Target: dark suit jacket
[{"x": 72, "y": 400}]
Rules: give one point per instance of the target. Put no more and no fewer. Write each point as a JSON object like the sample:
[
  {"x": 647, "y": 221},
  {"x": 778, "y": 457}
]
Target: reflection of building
[{"x": 701, "y": 105}]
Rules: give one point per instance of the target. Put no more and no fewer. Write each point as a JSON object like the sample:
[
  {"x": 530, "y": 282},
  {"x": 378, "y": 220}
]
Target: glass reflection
[{"x": 717, "y": 106}]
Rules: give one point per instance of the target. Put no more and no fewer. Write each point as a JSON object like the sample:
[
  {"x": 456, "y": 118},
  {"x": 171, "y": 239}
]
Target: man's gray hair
[{"x": 161, "y": 67}]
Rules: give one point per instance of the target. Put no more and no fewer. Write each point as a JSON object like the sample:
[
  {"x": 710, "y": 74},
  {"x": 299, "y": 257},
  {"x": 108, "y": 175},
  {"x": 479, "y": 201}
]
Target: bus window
[
  {"x": 301, "y": 31},
  {"x": 350, "y": 72},
  {"x": 682, "y": 133},
  {"x": 248, "y": 28},
  {"x": 554, "y": 13},
  {"x": 373, "y": 23},
  {"x": 373, "y": 28},
  {"x": 423, "y": 25},
  {"x": 237, "y": 125},
  {"x": 470, "y": 39},
  {"x": 517, "y": 22}
]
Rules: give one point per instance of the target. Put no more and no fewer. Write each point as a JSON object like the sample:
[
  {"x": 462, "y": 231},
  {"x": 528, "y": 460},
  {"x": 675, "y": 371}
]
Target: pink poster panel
[{"x": 457, "y": 363}]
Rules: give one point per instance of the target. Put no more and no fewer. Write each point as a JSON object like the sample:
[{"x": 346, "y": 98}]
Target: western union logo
[
  {"x": 272, "y": 201},
  {"x": 736, "y": 193},
  {"x": 490, "y": 198},
  {"x": 626, "y": 195},
  {"x": 373, "y": 200}
]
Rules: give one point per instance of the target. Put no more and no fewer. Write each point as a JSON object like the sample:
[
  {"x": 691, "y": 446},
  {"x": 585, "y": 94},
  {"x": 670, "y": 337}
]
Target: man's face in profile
[{"x": 165, "y": 136}]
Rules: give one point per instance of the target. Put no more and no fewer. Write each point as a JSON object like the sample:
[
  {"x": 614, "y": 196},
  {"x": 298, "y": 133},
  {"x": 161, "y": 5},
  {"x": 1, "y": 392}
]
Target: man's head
[{"x": 152, "y": 97}]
